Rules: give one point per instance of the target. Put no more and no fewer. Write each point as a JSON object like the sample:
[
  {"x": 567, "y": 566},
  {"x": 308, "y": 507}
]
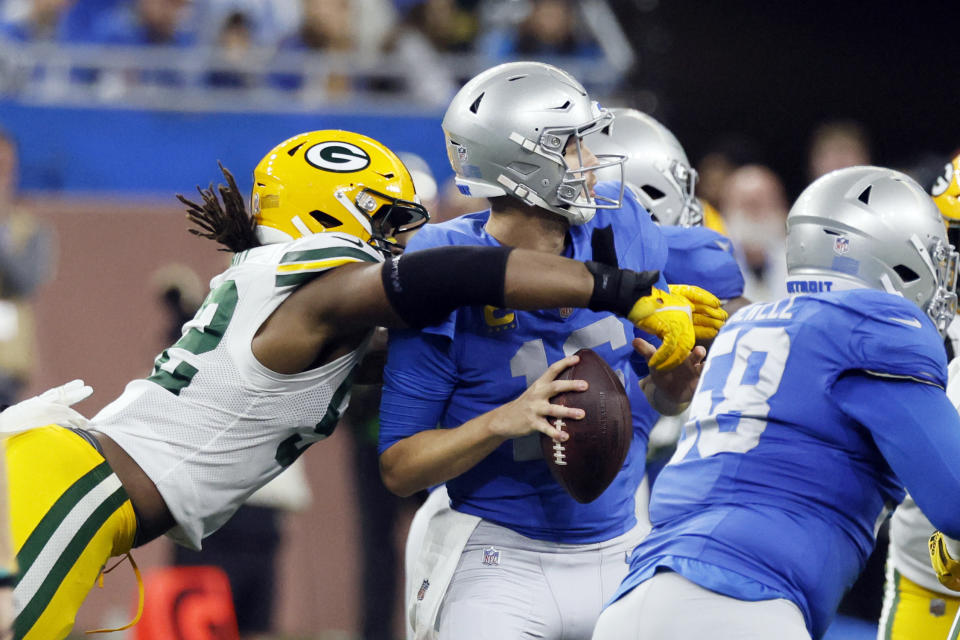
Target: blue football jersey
[
  {"x": 484, "y": 357},
  {"x": 774, "y": 492},
  {"x": 702, "y": 257}
]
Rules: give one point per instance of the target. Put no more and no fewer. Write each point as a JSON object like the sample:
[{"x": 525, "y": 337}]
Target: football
[{"x": 587, "y": 462}]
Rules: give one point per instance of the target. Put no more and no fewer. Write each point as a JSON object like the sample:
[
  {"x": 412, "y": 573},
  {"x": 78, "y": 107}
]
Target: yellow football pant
[
  {"x": 914, "y": 613},
  {"x": 70, "y": 515}
]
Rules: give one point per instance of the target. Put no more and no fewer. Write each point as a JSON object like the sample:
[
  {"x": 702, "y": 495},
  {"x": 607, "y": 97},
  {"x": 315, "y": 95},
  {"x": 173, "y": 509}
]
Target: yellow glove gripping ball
[
  {"x": 948, "y": 569},
  {"x": 669, "y": 317},
  {"x": 708, "y": 315}
]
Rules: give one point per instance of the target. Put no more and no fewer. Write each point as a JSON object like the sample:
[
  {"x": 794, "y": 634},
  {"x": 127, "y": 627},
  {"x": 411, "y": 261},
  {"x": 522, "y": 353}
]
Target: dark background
[{"x": 759, "y": 76}]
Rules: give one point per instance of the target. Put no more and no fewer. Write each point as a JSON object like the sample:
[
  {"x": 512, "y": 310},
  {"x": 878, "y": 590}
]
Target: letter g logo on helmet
[{"x": 340, "y": 157}]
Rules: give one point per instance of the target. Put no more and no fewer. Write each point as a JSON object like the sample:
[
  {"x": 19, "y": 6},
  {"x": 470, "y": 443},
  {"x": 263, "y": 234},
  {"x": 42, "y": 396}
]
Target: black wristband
[
  {"x": 9, "y": 580},
  {"x": 617, "y": 290}
]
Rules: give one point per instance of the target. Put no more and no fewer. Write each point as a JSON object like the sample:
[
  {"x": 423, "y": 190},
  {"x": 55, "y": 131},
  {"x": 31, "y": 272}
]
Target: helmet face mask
[
  {"x": 657, "y": 170},
  {"x": 946, "y": 195},
  {"x": 334, "y": 181},
  {"x": 875, "y": 228},
  {"x": 512, "y": 130}
]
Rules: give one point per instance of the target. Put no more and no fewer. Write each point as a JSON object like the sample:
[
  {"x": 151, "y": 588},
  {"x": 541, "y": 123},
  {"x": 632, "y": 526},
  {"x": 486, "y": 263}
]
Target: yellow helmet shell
[
  {"x": 946, "y": 192},
  {"x": 332, "y": 180}
]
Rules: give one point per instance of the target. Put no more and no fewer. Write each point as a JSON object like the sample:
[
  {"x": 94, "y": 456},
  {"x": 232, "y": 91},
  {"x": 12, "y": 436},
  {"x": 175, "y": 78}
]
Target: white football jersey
[
  {"x": 909, "y": 528},
  {"x": 212, "y": 425}
]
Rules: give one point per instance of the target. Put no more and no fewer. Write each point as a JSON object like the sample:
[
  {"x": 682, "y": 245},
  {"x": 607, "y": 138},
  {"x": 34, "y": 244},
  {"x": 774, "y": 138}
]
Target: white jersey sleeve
[{"x": 211, "y": 424}]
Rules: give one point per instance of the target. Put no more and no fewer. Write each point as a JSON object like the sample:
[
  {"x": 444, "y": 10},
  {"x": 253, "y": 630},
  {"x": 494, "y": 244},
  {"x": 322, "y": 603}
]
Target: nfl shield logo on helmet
[
  {"x": 462, "y": 153},
  {"x": 841, "y": 245},
  {"x": 491, "y": 557}
]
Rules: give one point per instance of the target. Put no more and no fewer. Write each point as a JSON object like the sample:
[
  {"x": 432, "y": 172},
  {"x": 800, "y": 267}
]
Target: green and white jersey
[
  {"x": 909, "y": 528},
  {"x": 211, "y": 425}
]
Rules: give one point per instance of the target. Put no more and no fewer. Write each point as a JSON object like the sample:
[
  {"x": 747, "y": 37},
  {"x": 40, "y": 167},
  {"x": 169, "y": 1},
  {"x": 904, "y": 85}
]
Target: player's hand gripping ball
[{"x": 588, "y": 461}]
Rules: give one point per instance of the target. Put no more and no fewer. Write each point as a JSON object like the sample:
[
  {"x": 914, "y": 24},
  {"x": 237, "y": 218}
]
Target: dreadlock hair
[{"x": 228, "y": 224}]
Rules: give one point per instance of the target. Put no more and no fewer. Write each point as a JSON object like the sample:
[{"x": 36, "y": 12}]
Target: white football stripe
[{"x": 31, "y": 581}]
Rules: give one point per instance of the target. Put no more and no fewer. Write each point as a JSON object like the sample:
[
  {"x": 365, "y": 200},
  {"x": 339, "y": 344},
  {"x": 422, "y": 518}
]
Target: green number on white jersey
[{"x": 204, "y": 333}]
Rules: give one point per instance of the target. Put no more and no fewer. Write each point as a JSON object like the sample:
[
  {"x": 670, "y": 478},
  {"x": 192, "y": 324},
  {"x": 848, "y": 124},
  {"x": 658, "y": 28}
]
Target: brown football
[{"x": 588, "y": 461}]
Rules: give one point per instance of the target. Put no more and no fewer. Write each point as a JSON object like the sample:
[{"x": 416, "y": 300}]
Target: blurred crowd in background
[{"x": 269, "y": 50}]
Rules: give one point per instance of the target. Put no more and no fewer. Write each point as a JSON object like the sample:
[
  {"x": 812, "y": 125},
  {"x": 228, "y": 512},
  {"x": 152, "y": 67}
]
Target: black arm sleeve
[{"x": 424, "y": 287}]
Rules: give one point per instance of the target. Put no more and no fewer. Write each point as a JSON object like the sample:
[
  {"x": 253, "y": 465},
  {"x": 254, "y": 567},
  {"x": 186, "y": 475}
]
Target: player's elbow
[{"x": 395, "y": 478}]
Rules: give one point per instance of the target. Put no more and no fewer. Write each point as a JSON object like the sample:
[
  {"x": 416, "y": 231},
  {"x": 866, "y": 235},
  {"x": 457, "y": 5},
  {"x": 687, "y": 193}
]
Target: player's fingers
[
  {"x": 548, "y": 429},
  {"x": 709, "y": 317},
  {"x": 696, "y": 295},
  {"x": 563, "y": 386},
  {"x": 644, "y": 348},
  {"x": 704, "y": 333},
  {"x": 557, "y": 367},
  {"x": 561, "y": 411}
]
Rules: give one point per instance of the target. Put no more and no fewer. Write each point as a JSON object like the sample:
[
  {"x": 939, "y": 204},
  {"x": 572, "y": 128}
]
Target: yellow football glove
[
  {"x": 669, "y": 317},
  {"x": 708, "y": 315},
  {"x": 948, "y": 569}
]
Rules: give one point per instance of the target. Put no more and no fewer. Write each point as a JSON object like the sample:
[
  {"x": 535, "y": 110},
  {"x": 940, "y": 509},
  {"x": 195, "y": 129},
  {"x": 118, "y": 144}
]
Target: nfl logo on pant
[
  {"x": 423, "y": 590},
  {"x": 491, "y": 557}
]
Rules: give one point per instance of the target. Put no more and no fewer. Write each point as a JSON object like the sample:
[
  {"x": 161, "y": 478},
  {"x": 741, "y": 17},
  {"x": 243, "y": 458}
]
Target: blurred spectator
[
  {"x": 453, "y": 203},
  {"x": 423, "y": 180},
  {"x": 143, "y": 22},
  {"x": 327, "y": 27},
  {"x": 755, "y": 207},
  {"x": 269, "y": 20},
  {"x": 549, "y": 28},
  {"x": 713, "y": 170},
  {"x": 137, "y": 23},
  {"x": 231, "y": 54},
  {"x": 38, "y": 21},
  {"x": 726, "y": 153},
  {"x": 835, "y": 145},
  {"x": 429, "y": 28},
  {"x": 26, "y": 261}
]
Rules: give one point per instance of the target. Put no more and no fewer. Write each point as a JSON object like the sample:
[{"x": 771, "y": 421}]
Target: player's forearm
[
  {"x": 432, "y": 457},
  {"x": 424, "y": 287},
  {"x": 537, "y": 280}
]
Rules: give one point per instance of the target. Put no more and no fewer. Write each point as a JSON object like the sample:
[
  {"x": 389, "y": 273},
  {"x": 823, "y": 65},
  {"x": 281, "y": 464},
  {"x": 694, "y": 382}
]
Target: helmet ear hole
[
  {"x": 328, "y": 221},
  {"x": 652, "y": 192},
  {"x": 906, "y": 273}
]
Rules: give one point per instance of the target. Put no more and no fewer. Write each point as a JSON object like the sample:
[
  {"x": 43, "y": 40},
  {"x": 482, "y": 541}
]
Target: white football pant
[{"x": 670, "y": 607}]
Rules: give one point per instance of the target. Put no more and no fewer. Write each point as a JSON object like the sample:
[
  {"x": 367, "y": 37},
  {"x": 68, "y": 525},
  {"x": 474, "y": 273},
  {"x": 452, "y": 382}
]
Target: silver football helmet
[
  {"x": 507, "y": 131},
  {"x": 874, "y": 227},
  {"x": 657, "y": 170}
]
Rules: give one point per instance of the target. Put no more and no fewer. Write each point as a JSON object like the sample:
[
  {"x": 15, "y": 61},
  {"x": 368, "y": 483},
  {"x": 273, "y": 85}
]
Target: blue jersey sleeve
[
  {"x": 918, "y": 432},
  {"x": 896, "y": 339},
  {"x": 704, "y": 258},
  {"x": 418, "y": 379}
]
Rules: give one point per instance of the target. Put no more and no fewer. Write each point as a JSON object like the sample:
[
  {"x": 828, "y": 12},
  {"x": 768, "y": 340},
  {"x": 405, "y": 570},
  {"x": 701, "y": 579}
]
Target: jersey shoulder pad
[
  {"x": 892, "y": 337},
  {"x": 639, "y": 242},
  {"x": 307, "y": 257},
  {"x": 704, "y": 258},
  {"x": 685, "y": 238},
  {"x": 462, "y": 230}
]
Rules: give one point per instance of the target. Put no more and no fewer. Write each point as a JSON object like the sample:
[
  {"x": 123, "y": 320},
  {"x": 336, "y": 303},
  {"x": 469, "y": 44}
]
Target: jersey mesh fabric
[{"x": 234, "y": 425}]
